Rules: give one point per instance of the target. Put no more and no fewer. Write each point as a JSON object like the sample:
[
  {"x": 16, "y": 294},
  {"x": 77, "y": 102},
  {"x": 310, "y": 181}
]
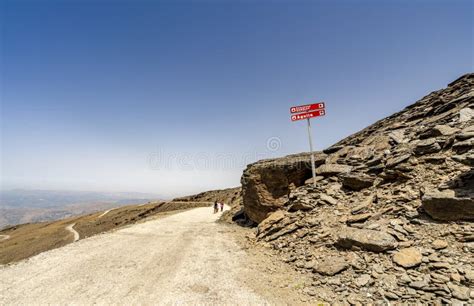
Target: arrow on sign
[{"x": 308, "y": 115}]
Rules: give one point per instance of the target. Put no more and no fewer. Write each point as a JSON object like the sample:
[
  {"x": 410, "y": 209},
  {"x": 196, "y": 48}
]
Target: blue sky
[{"x": 176, "y": 97}]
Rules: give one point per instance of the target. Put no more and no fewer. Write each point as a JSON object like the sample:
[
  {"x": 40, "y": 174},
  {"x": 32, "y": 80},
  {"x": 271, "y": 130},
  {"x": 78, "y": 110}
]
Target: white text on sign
[
  {"x": 307, "y": 107},
  {"x": 308, "y": 115}
]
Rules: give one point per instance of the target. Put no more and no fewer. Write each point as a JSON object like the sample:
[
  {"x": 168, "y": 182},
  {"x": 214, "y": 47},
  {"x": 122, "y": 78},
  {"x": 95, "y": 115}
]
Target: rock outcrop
[
  {"x": 390, "y": 217},
  {"x": 267, "y": 183}
]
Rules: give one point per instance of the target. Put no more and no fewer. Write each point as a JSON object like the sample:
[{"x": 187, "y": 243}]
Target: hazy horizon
[{"x": 176, "y": 98}]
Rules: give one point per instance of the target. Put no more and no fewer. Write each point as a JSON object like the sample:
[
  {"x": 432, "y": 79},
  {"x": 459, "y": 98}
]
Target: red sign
[
  {"x": 306, "y": 108},
  {"x": 302, "y": 116}
]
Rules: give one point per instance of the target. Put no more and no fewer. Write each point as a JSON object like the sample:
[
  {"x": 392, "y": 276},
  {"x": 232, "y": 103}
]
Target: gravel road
[{"x": 182, "y": 259}]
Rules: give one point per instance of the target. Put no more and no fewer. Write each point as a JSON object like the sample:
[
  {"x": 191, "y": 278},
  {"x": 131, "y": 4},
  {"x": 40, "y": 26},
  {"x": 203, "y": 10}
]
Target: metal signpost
[{"x": 307, "y": 112}]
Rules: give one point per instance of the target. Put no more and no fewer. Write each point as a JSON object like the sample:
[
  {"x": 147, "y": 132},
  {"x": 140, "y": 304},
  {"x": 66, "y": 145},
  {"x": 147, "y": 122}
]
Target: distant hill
[
  {"x": 25, "y": 206},
  {"x": 25, "y": 240}
]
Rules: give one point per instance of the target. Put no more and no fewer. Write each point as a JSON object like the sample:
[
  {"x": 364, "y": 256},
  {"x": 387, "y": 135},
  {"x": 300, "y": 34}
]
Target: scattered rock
[
  {"x": 362, "y": 280},
  {"x": 427, "y": 146},
  {"x": 331, "y": 266},
  {"x": 463, "y": 146},
  {"x": 466, "y": 114},
  {"x": 316, "y": 178},
  {"x": 408, "y": 258},
  {"x": 284, "y": 231},
  {"x": 467, "y": 159},
  {"x": 332, "y": 169},
  {"x": 466, "y": 133},
  {"x": 273, "y": 218},
  {"x": 440, "y": 265},
  {"x": 469, "y": 275},
  {"x": 418, "y": 284},
  {"x": 332, "y": 149},
  {"x": 370, "y": 240},
  {"x": 439, "y": 130},
  {"x": 358, "y": 218},
  {"x": 357, "y": 181},
  {"x": 391, "y": 295},
  {"x": 446, "y": 206},
  {"x": 398, "y": 136},
  {"x": 393, "y": 161},
  {"x": 459, "y": 292},
  {"x": 328, "y": 199},
  {"x": 300, "y": 206},
  {"x": 439, "y": 244},
  {"x": 455, "y": 277},
  {"x": 434, "y": 159},
  {"x": 364, "y": 205}
]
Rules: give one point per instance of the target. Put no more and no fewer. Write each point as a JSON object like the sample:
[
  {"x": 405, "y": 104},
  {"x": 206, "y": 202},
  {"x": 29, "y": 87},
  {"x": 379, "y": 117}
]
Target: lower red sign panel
[{"x": 307, "y": 115}]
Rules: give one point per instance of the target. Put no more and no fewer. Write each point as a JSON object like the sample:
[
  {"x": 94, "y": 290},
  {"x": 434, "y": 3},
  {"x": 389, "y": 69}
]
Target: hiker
[
  {"x": 216, "y": 207},
  {"x": 222, "y": 207}
]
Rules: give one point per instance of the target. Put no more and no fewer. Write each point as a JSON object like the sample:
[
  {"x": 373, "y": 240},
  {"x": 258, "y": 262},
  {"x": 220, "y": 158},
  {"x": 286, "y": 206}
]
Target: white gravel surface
[{"x": 181, "y": 259}]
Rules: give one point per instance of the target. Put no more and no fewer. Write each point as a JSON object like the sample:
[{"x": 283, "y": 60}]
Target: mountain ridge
[{"x": 390, "y": 216}]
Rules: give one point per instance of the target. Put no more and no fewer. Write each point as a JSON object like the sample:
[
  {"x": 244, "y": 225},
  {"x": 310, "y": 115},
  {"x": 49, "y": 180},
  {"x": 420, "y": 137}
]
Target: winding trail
[
  {"x": 185, "y": 258},
  {"x": 104, "y": 213},
  {"x": 70, "y": 228},
  {"x": 4, "y": 237}
]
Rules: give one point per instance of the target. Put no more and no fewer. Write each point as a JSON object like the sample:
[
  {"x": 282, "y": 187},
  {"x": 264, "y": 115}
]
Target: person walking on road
[
  {"x": 216, "y": 207},
  {"x": 222, "y": 206}
]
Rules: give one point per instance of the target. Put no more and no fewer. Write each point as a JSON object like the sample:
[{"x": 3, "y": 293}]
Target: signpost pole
[{"x": 312, "y": 154}]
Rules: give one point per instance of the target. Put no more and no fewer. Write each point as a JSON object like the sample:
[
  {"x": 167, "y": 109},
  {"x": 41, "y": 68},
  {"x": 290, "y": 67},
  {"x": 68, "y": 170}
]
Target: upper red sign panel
[{"x": 306, "y": 108}]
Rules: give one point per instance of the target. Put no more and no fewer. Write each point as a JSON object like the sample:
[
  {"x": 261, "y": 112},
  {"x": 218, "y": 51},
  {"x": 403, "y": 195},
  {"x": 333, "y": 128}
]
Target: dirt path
[
  {"x": 104, "y": 213},
  {"x": 184, "y": 258},
  {"x": 70, "y": 228},
  {"x": 4, "y": 237}
]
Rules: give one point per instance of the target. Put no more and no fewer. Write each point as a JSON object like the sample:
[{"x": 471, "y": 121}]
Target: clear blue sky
[{"x": 147, "y": 95}]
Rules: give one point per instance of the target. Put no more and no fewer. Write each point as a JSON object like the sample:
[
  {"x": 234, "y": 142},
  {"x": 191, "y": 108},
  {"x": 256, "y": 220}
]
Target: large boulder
[
  {"x": 445, "y": 205},
  {"x": 266, "y": 184},
  {"x": 371, "y": 240}
]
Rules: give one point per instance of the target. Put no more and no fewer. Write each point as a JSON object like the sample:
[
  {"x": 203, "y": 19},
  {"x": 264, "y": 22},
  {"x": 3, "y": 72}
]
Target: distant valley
[{"x": 25, "y": 206}]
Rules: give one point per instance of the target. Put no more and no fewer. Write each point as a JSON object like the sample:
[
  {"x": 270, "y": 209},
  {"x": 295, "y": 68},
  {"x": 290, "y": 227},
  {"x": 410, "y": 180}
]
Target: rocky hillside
[
  {"x": 230, "y": 196},
  {"x": 390, "y": 216}
]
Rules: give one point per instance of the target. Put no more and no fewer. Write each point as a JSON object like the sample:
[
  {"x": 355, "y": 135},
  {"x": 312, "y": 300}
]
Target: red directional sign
[
  {"x": 307, "y": 115},
  {"x": 306, "y": 108},
  {"x": 306, "y": 112}
]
